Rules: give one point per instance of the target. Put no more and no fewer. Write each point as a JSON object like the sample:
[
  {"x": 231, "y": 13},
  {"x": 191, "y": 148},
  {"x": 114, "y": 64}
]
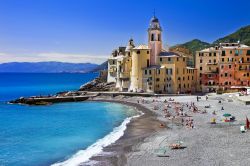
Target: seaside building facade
[
  {"x": 225, "y": 67},
  {"x": 151, "y": 68}
]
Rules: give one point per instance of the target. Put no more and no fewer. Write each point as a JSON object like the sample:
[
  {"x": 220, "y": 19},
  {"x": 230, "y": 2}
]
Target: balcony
[
  {"x": 212, "y": 63},
  {"x": 124, "y": 75},
  {"x": 244, "y": 69}
]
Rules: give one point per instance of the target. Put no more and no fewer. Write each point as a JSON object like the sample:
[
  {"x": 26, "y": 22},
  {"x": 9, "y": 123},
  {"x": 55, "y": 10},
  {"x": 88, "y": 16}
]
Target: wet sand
[{"x": 137, "y": 130}]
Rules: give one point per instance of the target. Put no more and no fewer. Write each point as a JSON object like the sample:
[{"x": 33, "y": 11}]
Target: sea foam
[{"x": 84, "y": 155}]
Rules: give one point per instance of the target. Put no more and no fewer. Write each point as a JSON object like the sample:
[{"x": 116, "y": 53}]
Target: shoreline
[
  {"x": 136, "y": 132},
  {"x": 205, "y": 143}
]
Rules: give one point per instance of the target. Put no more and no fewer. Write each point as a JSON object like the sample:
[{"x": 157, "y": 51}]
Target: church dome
[
  {"x": 154, "y": 23},
  {"x": 154, "y": 19}
]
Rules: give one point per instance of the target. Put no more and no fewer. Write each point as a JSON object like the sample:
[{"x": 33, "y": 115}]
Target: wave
[{"x": 96, "y": 148}]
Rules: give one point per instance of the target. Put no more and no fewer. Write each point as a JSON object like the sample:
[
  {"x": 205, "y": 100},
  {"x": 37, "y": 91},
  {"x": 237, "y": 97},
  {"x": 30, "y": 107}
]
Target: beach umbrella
[{"x": 227, "y": 115}]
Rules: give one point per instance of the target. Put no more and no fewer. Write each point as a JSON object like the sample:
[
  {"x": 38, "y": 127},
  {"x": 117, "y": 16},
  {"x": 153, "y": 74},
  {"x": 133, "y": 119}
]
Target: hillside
[
  {"x": 242, "y": 35},
  {"x": 192, "y": 46},
  {"x": 46, "y": 67},
  {"x": 102, "y": 66}
]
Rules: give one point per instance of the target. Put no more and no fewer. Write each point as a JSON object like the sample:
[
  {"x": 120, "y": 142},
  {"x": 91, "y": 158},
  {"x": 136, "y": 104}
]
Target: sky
[{"x": 80, "y": 31}]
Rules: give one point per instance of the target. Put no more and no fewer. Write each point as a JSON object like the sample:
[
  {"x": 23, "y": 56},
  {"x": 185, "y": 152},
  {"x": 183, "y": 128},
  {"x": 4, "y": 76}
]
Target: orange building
[{"x": 226, "y": 67}]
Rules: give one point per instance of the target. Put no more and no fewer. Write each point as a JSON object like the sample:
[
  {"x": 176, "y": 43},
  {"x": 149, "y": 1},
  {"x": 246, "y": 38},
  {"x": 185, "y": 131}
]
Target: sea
[{"x": 59, "y": 134}]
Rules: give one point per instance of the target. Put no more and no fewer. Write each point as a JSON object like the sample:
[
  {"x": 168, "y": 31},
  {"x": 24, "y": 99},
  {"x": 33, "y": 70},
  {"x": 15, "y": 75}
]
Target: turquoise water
[{"x": 43, "y": 135}]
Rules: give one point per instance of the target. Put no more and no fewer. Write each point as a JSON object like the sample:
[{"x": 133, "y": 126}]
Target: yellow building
[{"x": 150, "y": 68}]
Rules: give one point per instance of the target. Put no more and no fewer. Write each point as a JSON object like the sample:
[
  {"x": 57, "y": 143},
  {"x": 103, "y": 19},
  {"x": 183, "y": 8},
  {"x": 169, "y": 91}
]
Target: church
[{"x": 151, "y": 68}]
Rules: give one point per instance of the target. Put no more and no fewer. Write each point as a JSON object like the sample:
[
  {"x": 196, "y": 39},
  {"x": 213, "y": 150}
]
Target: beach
[{"x": 203, "y": 143}]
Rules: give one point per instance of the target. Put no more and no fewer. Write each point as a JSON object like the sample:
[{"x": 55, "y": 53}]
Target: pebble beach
[{"x": 169, "y": 120}]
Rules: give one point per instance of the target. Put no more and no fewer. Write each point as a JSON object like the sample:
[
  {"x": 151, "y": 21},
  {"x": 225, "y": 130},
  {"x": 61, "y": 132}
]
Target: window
[
  {"x": 214, "y": 60},
  {"x": 157, "y": 79},
  {"x": 200, "y": 60},
  {"x": 159, "y": 71},
  {"x": 229, "y": 66},
  {"x": 169, "y": 59},
  {"x": 240, "y": 52},
  {"x": 200, "y": 68},
  {"x": 147, "y": 62},
  {"x": 209, "y": 60},
  {"x": 177, "y": 71},
  {"x": 113, "y": 62},
  {"x": 225, "y": 74},
  {"x": 223, "y": 53},
  {"x": 159, "y": 37},
  {"x": 149, "y": 72},
  {"x": 231, "y": 51},
  {"x": 183, "y": 78},
  {"x": 147, "y": 52},
  {"x": 210, "y": 54},
  {"x": 146, "y": 72},
  {"x": 138, "y": 52},
  {"x": 188, "y": 77},
  {"x": 214, "y": 53},
  {"x": 184, "y": 59},
  {"x": 169, "y": 71},
  {"x": 160, "y": 59},
  {"x": 152, "y": 37},
  {"x": 248, "y": 52},
  {"x": 177, "y": 59},
  {"x": 222, "y": 59},
  {"x": 236, "y": 52}
]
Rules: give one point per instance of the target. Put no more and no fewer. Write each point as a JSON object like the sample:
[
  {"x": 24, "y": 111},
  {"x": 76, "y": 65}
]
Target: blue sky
[{"x": 88, "y": 30}]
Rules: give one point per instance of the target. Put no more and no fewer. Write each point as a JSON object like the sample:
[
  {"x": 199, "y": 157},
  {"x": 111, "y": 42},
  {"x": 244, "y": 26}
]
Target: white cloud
[{"x": 53, "y": 56}]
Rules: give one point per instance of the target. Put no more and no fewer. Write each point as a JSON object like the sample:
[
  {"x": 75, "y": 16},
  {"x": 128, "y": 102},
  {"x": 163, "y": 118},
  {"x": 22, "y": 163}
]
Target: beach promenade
[{"x": 182, "y": 119}]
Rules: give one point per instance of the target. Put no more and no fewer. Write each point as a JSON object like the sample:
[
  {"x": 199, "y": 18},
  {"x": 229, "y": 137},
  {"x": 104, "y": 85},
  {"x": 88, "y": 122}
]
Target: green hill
[
  {"x": 193, "y": 45},
  {"x": 242, "y": 35}
]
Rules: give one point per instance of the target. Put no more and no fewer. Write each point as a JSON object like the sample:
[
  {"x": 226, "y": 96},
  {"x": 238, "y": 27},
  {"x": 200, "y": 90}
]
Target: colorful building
[
  {"x": 151, "y": 68},
  {"x": 226, "y": 67}
]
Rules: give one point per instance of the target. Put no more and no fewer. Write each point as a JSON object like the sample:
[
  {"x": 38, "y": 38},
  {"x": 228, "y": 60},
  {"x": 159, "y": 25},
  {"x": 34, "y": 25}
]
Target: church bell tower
[{"x": 154, "y": 40}]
